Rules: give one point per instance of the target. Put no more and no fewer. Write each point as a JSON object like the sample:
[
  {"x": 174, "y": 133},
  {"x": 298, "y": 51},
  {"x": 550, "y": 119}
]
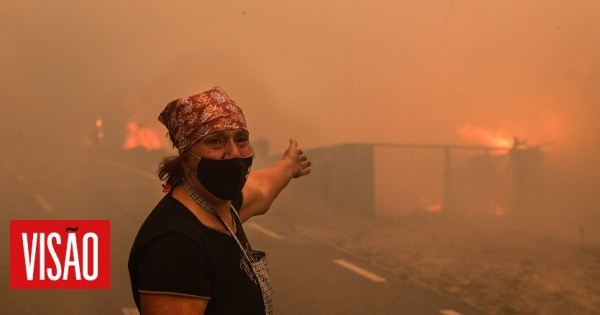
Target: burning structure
[{"x": 391, "y": 180}]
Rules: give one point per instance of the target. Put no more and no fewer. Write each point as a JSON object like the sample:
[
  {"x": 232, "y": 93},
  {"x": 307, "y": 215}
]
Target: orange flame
[
  {"x": 486, "y": 137},
  {"x": 138, "y": 136},
  {"x": 434, "y": 207},
  {"x": 429, "y": 206}
]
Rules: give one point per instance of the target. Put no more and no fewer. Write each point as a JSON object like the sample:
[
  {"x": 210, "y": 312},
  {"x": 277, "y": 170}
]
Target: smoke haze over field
[{"x": 324, "y": 72}]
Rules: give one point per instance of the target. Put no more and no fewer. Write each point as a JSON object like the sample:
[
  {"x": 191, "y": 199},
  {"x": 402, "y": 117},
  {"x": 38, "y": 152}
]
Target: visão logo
[{"x": 59, "y": 254}]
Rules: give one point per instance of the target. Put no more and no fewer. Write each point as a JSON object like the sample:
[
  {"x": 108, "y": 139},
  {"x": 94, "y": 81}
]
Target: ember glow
[
  {"x": 100, "y": 131},
  {"x": 434, "y": 207},
  {"x": 498, "y": 209},
  {"x": 429, "y": 206},
  {"x": 138, "y": 136},
  {"x": 486, "y": 137}
]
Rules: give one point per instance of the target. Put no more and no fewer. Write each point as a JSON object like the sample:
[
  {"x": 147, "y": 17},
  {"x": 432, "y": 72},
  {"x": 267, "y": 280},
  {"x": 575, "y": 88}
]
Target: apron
[{"x": 255, "y": 264}]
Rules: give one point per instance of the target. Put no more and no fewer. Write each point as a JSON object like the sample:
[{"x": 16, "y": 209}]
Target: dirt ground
[{"x": 494, "y": 265}]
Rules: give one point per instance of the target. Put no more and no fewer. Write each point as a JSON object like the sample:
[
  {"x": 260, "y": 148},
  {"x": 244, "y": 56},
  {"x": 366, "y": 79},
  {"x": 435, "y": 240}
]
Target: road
[
  {"x": 308, "y": 277},
  {"x": 313, "y": 278}
]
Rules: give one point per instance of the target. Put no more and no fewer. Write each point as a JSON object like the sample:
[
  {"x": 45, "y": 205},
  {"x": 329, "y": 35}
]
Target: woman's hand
[
  {"x": 263, "y": 186},
  {"x": 298, "y": 161}
]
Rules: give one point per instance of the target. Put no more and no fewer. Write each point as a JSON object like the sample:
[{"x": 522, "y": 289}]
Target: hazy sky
[{"x": 325, "y": 72}]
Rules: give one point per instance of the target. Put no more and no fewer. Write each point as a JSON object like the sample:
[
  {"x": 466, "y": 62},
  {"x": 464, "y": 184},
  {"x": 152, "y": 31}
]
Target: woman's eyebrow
[{"x": 217, "y": 134}]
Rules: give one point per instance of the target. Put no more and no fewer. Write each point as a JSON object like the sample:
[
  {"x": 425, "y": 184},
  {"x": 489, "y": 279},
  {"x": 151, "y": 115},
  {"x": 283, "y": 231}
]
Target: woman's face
[{"x": 225, "y": 144}]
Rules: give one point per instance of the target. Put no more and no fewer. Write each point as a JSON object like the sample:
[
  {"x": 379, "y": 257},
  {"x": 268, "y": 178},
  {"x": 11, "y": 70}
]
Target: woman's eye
[{"x": 215, "y": 143}]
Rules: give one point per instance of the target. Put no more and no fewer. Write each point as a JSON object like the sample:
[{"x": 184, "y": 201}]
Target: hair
[{"x": 171, "y": 169}]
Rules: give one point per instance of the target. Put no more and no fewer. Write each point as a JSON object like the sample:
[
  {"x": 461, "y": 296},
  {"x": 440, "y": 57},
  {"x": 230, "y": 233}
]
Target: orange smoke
[
  {"x": 138, "y": 136},
  {"x": 486, "y": 137}
]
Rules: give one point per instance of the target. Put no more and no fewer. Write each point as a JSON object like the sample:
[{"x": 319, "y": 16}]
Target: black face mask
[{"x": 224, "y": 178}]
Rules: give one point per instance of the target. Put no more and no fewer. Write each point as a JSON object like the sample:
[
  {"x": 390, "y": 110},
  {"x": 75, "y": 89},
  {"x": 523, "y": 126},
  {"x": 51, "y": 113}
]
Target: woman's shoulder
[{"x": 169, "y": 216}]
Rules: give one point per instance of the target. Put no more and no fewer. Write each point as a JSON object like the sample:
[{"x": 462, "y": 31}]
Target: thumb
[
  {"x": 293, "y": 144},
  {"x": 292, "y": 150}
]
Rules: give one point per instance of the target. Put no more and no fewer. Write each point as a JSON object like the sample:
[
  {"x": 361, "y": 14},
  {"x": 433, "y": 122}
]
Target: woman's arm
[
  {"x": 164, "y": 304},
  {"x": 263, "y": 186}
]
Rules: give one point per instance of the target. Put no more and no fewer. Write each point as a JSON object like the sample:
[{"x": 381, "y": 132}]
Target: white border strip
[
  {"x": 46, "y": 206},
  {"x": 265, "y": 231},
  {"x": 360, "y": 271}
]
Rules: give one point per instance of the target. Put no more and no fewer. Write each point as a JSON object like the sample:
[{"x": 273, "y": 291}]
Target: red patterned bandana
[{"x": 191, "y": 118}]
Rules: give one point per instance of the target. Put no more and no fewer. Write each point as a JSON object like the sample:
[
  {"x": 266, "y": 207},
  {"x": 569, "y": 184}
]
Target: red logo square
[{"x": 59, "y": 254}]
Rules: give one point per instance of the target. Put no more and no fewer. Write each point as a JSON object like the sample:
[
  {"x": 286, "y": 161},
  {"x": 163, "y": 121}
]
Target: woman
[{"x": 191, "y": 255}]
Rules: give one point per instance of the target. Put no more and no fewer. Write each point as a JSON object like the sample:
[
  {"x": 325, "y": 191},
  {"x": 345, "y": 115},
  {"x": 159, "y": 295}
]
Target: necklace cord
[{"x": 203, "y": 203}]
